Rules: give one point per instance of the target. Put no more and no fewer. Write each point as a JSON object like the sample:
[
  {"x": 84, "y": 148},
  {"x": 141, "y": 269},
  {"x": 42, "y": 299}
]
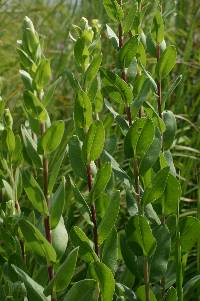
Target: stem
[
  {"x": 93, "y": 210},
  {"x": 123, "y": 72},
  {"x": 47, "y": 219},
  {"x": 146, "y": 278},
  {"x": 159, "y": 86},
  {"x": 179, "y": 272},
  {"x": 137, "y": 184}
]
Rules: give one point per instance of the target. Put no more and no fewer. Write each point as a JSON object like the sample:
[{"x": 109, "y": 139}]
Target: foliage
[{"x": 93, "y": 204}]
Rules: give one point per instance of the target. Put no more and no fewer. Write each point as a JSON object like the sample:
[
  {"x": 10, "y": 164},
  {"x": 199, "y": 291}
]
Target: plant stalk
[
  {"x": 93, "y": 210},
  {"x": 179, "y": 270},
  {"x": 159, "y": 86},
  {"x": 146, "y": 279},
  {"x": 47, "y": 219}
]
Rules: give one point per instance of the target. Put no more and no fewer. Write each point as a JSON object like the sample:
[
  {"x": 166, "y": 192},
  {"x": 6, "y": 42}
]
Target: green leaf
[
  {"x": 100, "y": 272},
  {"x": 75, "y": 157},
  {"x": 83, "y": 205},
  {"x": 160, "y": 258},
  {"x": 9, "y": 190},
  {"x": 189, "y": 287},
  {"x": 129, "y": 257},
  {"x": 158, "y": 28},
  {"x": 150, "y": 156},
  {"x": 10, "y": 140},
  {"x": 34, "y": 193},
  {"x": 157, "y": 188},
  {"x": 110, "y": 217},
  {"x": 34, "y": 107},
  {"x": 43, "y": 74},
  {"x": 140, "y": 237},
  {"x": 94, "y": 141},
  {"x": 172, "y": 195},
  {"x": 101, "y": 180},
  {"x": 83, "y": 290},
  {"x": 125, "y": 292},
  {"x": 92, "y": 70},
  {"x": 189, "y": 232},
  {"x": 48, "y": 95},
  {"x": 139, "y": 138},
  {"x": 31, "y": 147},
  {"x": 81, "y": 53},
  {"x": 82, "y": 110},
  {"x": 57, "y": 204},
  {"x": 80, "y": 240},
  {"x": 112, "y": 36},
  {"x": 166, "y": 62},
  {"x": 170, "y": 131},
  {"x": 171, "y": 294},
  {"x": 110, "y": 250},
  {"x": 53, "y": 136},
  {"x": 128, "y": 52},
  {"x": 142, "y": 295},
  {"x": 60, "y": 238},
  {"x": 118, "y": 84},
  {"x": 113, "y": 10},
  {"x": 64, "y": 274},
  {"x": 36, "y": 242},
  {"x": 34, "y": 289}
]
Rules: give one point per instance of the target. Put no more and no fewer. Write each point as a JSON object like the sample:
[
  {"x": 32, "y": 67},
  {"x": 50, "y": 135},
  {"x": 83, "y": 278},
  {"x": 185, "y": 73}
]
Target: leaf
[
  {"x": 157, "y": 188},
  {"x": 9, "y": 190},
  {"x": 160, "y": 258},
  {"x": 80, "y": 240},
  {"x": 34, "y": 107},
  {"x": 53, "y": 136},
  {"x": 43, "y": 74},
  {"x": 64, "y": 274},
  {"x": 34, "y": 289},
  {"x": 83, "y": 205},
  {"x": 142, "y": 295},
  {"x": 128, "y": 52},
  {"x": 150, "y": 156},
  {"x": 94, "y": 141},
  {"x": 189, "y": 232},
  {"x": 171, "y": 294},
  {"x": 172, "y": 195},
  {"x": 92, "y": 70},
  {"x": 112, "y": 36},
  {"x": 139, "y": 138},
  {"x": 171, "y": 127},
  {"x": 118, "y": 84},
  {"x": 83, "y": 290},
  {"x": 81, "y": 53},
  {"x": 31, "y": 147},
  {"x": 166, "y": 62},
  {"x": 101, "y": 180},
  {"x": 105, "y": 278},
  {"x": 10, "y": 140},
  {"x": 75, "y": 157},
  {"x": 57, "y": 204},
  {"x": 140, "y": 237},
  {"x": 190, "y": 286},
  {"x": 110, "y": 217},
  {"x": 110, "y": 250},
  {"x": 126, "y": 292},
  {"x": 113, "y": 10},
  {"x": 34, "y": 193},
  {"x": 48, "y": 95},
  {"x": 60, "y": 238},
  {"x": 36, "y": 241},
  {"x": 158, "y": 28},
  {"x": 82, "y": 110}
]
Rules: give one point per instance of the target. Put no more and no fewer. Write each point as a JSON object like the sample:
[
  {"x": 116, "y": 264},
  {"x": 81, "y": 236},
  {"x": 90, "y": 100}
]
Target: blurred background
[{"x": 53, "y": 20}]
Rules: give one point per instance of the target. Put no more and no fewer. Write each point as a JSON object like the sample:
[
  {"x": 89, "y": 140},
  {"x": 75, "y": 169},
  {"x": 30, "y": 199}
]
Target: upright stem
[
  {"x": 47, "y": 198},
  {"x": 93, "y": 210},
  {"x": 146, "y": 278},
  {"x": 159, "y": 85},
  {"x": 179, "y": 272},
  {"x": 123, "y": 72}
]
